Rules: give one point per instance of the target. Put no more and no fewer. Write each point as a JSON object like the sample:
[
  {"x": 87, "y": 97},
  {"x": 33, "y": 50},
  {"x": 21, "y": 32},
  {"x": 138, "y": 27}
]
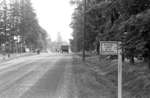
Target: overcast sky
[{"x": 54, "y": 16}]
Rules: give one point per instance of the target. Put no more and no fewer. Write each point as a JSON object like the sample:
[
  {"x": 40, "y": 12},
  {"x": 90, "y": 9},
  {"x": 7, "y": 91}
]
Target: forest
[
  {"x": 19, "y": 27},
  {"x": 127, "y": 21}
]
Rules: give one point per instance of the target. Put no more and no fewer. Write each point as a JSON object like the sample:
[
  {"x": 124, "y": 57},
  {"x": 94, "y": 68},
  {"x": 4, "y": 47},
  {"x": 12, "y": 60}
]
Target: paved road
[{"x": 38, "y": 76}]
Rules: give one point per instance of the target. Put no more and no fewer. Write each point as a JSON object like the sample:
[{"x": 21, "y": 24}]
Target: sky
[{"x": 54, "y": 16}]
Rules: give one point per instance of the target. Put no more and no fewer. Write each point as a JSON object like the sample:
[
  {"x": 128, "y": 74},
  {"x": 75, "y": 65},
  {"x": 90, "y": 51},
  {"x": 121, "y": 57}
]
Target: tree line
[
  {"x": 127, "y": 21},
  {"x": 19, "y": 27}
]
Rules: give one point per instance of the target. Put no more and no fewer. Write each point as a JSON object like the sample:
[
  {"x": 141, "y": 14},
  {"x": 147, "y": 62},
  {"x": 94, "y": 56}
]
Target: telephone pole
[
  {"x": 5, "y": 24},
  {"x": 84, "y": 31}
]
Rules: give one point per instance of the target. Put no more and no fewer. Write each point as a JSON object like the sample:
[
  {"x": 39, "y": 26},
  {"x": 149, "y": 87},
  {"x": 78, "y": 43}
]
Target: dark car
[{"x": 65, "y": 48}]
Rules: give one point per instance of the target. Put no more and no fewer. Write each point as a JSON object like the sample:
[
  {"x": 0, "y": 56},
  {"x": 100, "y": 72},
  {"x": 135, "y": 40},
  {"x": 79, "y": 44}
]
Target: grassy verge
[
  {"x": 97, "y": 78},
  {"x": 91, "y": 84}
]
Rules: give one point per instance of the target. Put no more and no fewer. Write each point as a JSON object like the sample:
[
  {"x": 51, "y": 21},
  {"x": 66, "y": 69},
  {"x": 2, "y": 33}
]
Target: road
[{"x": 38, "y": 76}]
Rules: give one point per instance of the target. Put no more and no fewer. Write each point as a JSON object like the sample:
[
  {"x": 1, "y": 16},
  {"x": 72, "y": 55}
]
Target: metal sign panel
[{"x": 108, "y": 47}]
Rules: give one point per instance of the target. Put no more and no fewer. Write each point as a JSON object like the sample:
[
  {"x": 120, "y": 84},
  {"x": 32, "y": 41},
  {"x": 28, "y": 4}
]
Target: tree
[
  {"x": 34, "y": 35},
  {"x": 20, "y": 27},
  {"x": 92, "y": 23},
  {"x": 120, "y": 20}
]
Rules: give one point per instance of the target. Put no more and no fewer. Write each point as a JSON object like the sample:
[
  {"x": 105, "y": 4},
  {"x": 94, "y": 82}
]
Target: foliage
[
  {"x": 91, "y": 25},
  {"x": 20, "y": 27},
  {"x": 119, "y": 20}
]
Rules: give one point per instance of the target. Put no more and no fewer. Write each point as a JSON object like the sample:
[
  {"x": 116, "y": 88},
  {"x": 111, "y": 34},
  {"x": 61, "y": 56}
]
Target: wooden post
[
  {"x": 119, "y": 73},
  {"x": 84, "y": 31},
  {"x": 114, "y": 48}
]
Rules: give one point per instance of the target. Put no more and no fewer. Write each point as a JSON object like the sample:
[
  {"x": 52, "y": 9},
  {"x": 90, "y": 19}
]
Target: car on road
[{"x": 65, "y": 48}]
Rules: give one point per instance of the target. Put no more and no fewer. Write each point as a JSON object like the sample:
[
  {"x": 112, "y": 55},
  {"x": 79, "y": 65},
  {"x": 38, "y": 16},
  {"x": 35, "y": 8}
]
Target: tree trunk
[
  {"x": 132, "y": 60},
  {"x": 148, "y": 62},
  {"x": 147, "y": 59},
  {"x": 97, "y": 47},
  {"x": 123, "y": 57}
]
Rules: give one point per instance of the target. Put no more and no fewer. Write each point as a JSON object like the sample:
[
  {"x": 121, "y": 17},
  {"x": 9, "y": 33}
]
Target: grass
[
  {"x": 97, "y": 78},
  {"x": 88, "y": 83}
]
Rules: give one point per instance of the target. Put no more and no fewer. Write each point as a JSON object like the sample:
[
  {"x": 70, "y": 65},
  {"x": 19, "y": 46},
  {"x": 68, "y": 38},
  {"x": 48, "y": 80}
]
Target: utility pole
[
  {"x": 21, "y": 7},
  {"x": 5, "y": 25},
  {"x": 12, "y": 27},
  {"x": 84, "y": 31}
]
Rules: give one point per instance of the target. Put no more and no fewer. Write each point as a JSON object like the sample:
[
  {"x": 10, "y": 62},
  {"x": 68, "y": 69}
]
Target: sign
[
  {"x": 113, "y": 48},
  {"x": 108, "y": 47}
]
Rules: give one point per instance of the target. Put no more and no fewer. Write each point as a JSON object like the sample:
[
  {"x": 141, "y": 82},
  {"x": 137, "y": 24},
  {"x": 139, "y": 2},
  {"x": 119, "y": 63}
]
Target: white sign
[
  {"x": 108, "y": 47},
  {"x": 112, "y": 48}
]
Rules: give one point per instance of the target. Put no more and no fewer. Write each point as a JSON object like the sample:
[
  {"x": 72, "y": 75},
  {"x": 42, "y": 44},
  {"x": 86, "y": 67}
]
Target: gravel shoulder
[{"x": 69, "y": 88}]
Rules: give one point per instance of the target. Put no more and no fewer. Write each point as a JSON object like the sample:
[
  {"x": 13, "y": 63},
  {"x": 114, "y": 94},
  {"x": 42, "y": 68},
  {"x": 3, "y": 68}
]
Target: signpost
[{"x": 112, "y": 48}]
